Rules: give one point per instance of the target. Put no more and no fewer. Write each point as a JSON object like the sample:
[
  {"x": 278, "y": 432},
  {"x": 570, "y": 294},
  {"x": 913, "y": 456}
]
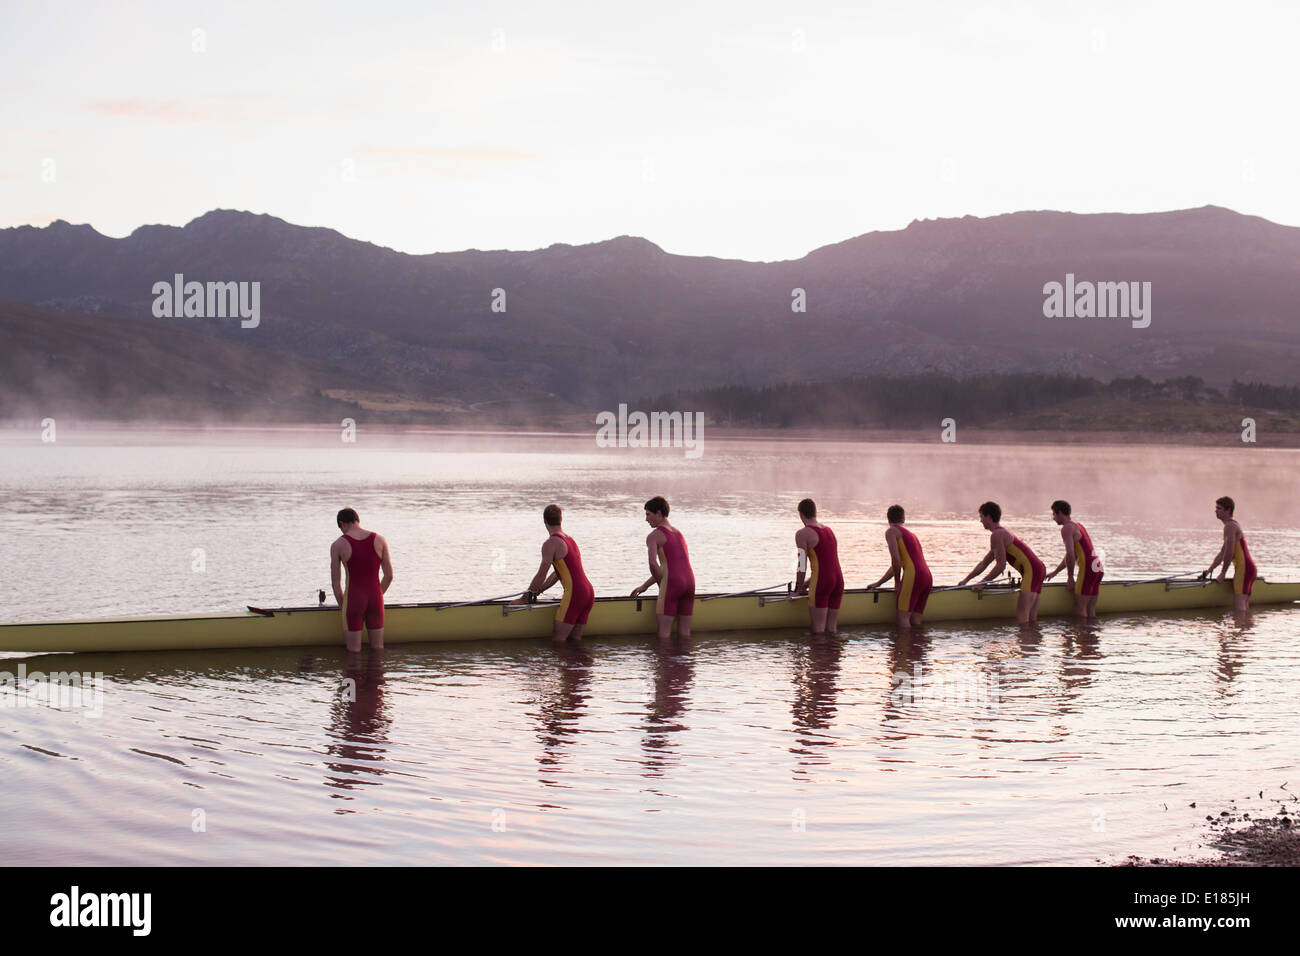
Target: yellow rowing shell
[{"x": 411, "y": 623}]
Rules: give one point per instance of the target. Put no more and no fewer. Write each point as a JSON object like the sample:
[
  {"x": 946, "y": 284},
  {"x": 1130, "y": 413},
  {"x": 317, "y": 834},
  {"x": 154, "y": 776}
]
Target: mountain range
[{"x": 590, "y": 326}]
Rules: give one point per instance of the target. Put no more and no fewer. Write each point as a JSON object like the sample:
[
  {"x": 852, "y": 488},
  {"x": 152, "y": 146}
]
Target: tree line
[{"x": 922, "y": 399}]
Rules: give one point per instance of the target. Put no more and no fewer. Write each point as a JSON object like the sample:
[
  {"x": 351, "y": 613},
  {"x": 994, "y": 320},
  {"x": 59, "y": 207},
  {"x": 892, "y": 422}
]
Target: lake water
[{"x": 980, "y": 743}]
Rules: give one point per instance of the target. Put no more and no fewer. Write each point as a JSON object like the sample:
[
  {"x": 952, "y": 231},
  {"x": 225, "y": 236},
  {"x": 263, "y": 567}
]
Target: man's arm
[
  {"x": 999, "y": 558},
  {"x": 1221, "y": 556},
  {"x": 385, "y": 565},
  {"x": 801, "y": 541},
  {"x": 997, "y": 555},
  {"x": 988, "y": 558},
  {"x": 656, "y": 572},
  {"x": 546, "y": 574},
  {"x": 336, "y": 572},
  {"x": 895, "y": 562},
  {"x": 1230, "y": 535},
  {"x": 539, "y": 583},
  {"x": 1068, "y": 560}
]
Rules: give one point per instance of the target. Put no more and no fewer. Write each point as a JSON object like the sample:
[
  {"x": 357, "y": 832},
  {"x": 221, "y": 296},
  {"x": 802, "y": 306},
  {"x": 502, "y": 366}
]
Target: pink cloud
[
  {"x": 220, "y": 108},
  {"x": 411, "y": 153}
]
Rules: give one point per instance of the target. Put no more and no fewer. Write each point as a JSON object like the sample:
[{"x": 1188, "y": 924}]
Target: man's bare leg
[{"x": 1024, "y": 606}]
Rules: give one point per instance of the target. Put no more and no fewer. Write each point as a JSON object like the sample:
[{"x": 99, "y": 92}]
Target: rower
[
  {"x": 670, "y": 568},
  {"x": 912, "y": 579},
  {"x": 825, "y": 584},
  {"x": 1005, "y": 548},
  {"x": 560, "y": 555},
  {"x": 1080, "y": 555},
  {"x": 362, "y": 602},
  {"x": 1236, "y": 551}
]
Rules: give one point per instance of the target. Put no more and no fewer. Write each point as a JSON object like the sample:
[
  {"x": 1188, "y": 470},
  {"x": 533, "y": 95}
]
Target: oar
[
  {"x": 504, "y": 597},
  {"x": 512, "y": 608},
  {"x": 992, "y": 585},
  {"x": 713, "y": 597},
  {"x": 1167, "y": 577}
]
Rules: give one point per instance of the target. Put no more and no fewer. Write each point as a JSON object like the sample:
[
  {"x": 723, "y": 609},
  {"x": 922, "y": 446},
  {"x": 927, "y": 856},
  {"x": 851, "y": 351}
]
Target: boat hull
[{"x": 413, "y": 623}]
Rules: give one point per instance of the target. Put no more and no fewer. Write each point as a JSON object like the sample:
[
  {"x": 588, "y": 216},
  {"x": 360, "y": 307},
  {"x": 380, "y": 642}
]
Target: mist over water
[
  {"x": 110, "y": 523},
  {"x": 970, "y": 743}
]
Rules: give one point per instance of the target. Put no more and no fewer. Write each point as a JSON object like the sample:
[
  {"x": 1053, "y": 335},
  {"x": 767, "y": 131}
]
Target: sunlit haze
[{"x": 751, "y": 130}]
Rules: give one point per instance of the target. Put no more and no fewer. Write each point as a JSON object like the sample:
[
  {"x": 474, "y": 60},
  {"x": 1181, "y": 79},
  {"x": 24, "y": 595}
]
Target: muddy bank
[{"x": 1243, "y": 838}]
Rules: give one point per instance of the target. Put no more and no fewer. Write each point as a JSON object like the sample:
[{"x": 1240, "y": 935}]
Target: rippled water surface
[{"x": 970, "y": 744}]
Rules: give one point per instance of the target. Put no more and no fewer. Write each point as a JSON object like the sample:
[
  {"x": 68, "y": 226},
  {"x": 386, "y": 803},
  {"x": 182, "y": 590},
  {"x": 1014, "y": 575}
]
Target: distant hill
[
  {"x": 58, "y": 364},
  {"x": 589, "y": 326},
  {"x": 125, "y": 369},
  {"x": 1019, "y": 402}
]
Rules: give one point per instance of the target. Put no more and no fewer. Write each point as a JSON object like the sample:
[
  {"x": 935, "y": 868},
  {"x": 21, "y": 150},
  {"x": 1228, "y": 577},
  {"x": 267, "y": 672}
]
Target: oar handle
[
  {"x": 504, "y": 597},
  {"x": 1168, "y": 577},
  {"x": 712, "y": 597},
  {"x": 1010, "y": 582}
]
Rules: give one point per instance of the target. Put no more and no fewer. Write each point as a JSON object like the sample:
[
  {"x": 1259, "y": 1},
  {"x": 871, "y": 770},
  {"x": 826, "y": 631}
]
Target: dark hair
[
  {"x": 657, "y": 503},
  {"x": 348, "y": 516},
  {"x": 992, "y": 509},
  {"x": 895, "y": 514},
  {"x": 1062, "y": 506},
  {"x": 808, "y": 508},
  {"x": 552, "y": 515},
  {"x": 1228, "y": 504}
]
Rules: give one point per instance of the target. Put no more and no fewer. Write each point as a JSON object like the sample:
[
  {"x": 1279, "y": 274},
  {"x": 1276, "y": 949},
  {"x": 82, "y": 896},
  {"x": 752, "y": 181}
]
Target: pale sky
[{"x": 754, "y": 129}]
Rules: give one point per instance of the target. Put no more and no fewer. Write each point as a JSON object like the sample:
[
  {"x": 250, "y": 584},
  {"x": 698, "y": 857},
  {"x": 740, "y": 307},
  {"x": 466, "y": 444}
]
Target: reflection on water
[
  {"x": 907, "y": 668},
  {"x": 816, "y": 668},
  {"x": 1002, "y": 740},
  {"x": 1080, "y": 646},
  {"x": 560, "y": 705},
  {"x": 1232, "y": 640},
  {"x": 358, "y": 723},
  {"x": 673, "y": 673}
]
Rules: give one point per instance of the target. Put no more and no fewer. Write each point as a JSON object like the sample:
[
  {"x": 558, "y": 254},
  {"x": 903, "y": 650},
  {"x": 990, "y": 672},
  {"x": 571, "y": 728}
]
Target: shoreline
[
  {"x": 1241, "y": 839},
  {"x": 970, "y": 435}
]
